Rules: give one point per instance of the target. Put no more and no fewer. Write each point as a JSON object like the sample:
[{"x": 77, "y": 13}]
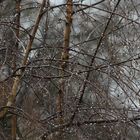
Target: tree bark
[
  {"x": 17, "y": 80},
  {"x": 64, "y": 63}
]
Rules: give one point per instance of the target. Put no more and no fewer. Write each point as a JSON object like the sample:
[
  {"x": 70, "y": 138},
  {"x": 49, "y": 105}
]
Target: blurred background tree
[{"x": 81, "y": 77}]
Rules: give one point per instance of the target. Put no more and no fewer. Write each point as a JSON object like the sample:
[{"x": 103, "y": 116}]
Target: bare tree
[{"x": 69, "y": 70}]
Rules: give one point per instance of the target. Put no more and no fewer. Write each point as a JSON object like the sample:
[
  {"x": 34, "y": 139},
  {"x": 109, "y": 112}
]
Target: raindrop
[
  {"x": 104, "y": 126},
  {"x": 91, "y": 124}
]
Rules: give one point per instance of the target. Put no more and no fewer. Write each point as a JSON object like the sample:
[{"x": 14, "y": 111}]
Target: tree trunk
[{"x": 64, "y": 63}]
